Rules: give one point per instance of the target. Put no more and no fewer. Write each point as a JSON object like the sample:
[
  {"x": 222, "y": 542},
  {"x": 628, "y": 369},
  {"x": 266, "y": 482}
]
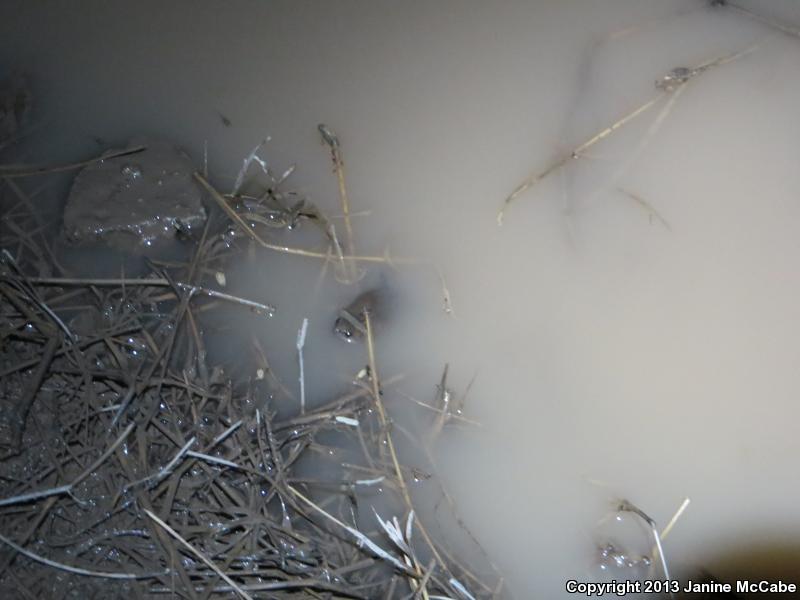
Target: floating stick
[{"x": 669, "y": 83}]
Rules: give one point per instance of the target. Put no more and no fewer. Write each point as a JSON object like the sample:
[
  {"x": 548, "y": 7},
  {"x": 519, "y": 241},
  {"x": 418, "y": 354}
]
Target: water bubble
[
  {"x": 131, "y": 171},
  {"x": 228, "y": 237}
]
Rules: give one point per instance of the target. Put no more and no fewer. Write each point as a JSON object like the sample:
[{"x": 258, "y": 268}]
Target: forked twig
[
  {"x": 626, "y": 506},
  {"x": 332, "y": 140},
  {"x": 538, "y": 176},
  {"x": 234, "y": 216},
  {"x": 668, "y": 84}
]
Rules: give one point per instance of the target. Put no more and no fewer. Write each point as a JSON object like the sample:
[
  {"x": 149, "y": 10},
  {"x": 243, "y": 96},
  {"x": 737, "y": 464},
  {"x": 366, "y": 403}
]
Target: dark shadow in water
[{"x": 772, "y": 561}]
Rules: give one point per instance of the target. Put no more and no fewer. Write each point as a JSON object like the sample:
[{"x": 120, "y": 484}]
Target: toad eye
[{"x": 343, "y": 330}]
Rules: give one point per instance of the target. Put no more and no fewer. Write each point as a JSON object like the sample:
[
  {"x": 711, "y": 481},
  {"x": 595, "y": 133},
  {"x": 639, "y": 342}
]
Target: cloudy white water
[{"x": 632, "y": 327}]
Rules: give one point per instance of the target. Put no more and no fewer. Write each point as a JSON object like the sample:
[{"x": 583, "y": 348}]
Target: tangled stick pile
[{"x": 133, "y": 468}]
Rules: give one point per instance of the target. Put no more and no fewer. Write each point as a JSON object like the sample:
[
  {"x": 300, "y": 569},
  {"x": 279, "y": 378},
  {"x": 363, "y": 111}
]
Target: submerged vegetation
[{"x": 134, "y": 467}]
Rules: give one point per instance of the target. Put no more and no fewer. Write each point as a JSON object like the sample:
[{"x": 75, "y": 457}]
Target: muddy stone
[{"x": 140, "y": 198}]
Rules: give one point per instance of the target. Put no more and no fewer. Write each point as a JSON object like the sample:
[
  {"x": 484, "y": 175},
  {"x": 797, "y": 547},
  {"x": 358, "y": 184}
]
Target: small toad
[{"x": 350, "y": 325}]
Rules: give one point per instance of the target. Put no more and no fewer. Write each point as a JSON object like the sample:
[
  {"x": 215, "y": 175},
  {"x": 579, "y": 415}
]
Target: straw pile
[{"x": 133, "y": 468}]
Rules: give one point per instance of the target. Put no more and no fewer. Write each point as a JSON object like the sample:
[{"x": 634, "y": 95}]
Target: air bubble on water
[
  {"x": 228, "y": 237},
  {"x": 131, "y": 171}
]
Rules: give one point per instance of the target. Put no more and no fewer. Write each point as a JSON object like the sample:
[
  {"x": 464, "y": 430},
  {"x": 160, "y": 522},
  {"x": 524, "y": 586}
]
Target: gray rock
[{"x": 141, "y": 198}]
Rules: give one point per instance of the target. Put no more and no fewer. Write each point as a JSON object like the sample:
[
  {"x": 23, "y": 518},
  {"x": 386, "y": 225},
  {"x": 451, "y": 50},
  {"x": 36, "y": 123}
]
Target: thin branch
[
  {"x": 13, "y": 171},
  {"x": 198, "y": 554}
]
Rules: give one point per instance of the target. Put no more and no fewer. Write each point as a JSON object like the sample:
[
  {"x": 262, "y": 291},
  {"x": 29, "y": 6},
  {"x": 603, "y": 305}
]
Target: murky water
[{"x": 632, "y": 327}]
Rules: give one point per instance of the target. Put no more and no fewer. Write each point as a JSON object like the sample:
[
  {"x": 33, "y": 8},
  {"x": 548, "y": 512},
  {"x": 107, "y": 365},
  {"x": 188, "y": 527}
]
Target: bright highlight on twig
[{"x": 301, "y": 340}]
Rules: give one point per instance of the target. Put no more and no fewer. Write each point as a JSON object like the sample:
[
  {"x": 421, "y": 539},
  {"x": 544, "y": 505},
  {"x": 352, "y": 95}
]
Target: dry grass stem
[
  {"x": 130, "y": 454},
  {"x": 671, "y": 82}
]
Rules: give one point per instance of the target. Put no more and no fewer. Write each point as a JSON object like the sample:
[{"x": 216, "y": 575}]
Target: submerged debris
[
  {"x": 786, "y": 28},
  {"x": 133, "y": 465},
  {"x": 675, "y": 77},
  {"x": 347, "y": 271},
  {"x": 652, "y": 214},
  {"x": 15, "y": 106},
  {"x": 627, "y": 506},
  {"x": 139, "y": 199},
  {"x": 668, "y": 87}
]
